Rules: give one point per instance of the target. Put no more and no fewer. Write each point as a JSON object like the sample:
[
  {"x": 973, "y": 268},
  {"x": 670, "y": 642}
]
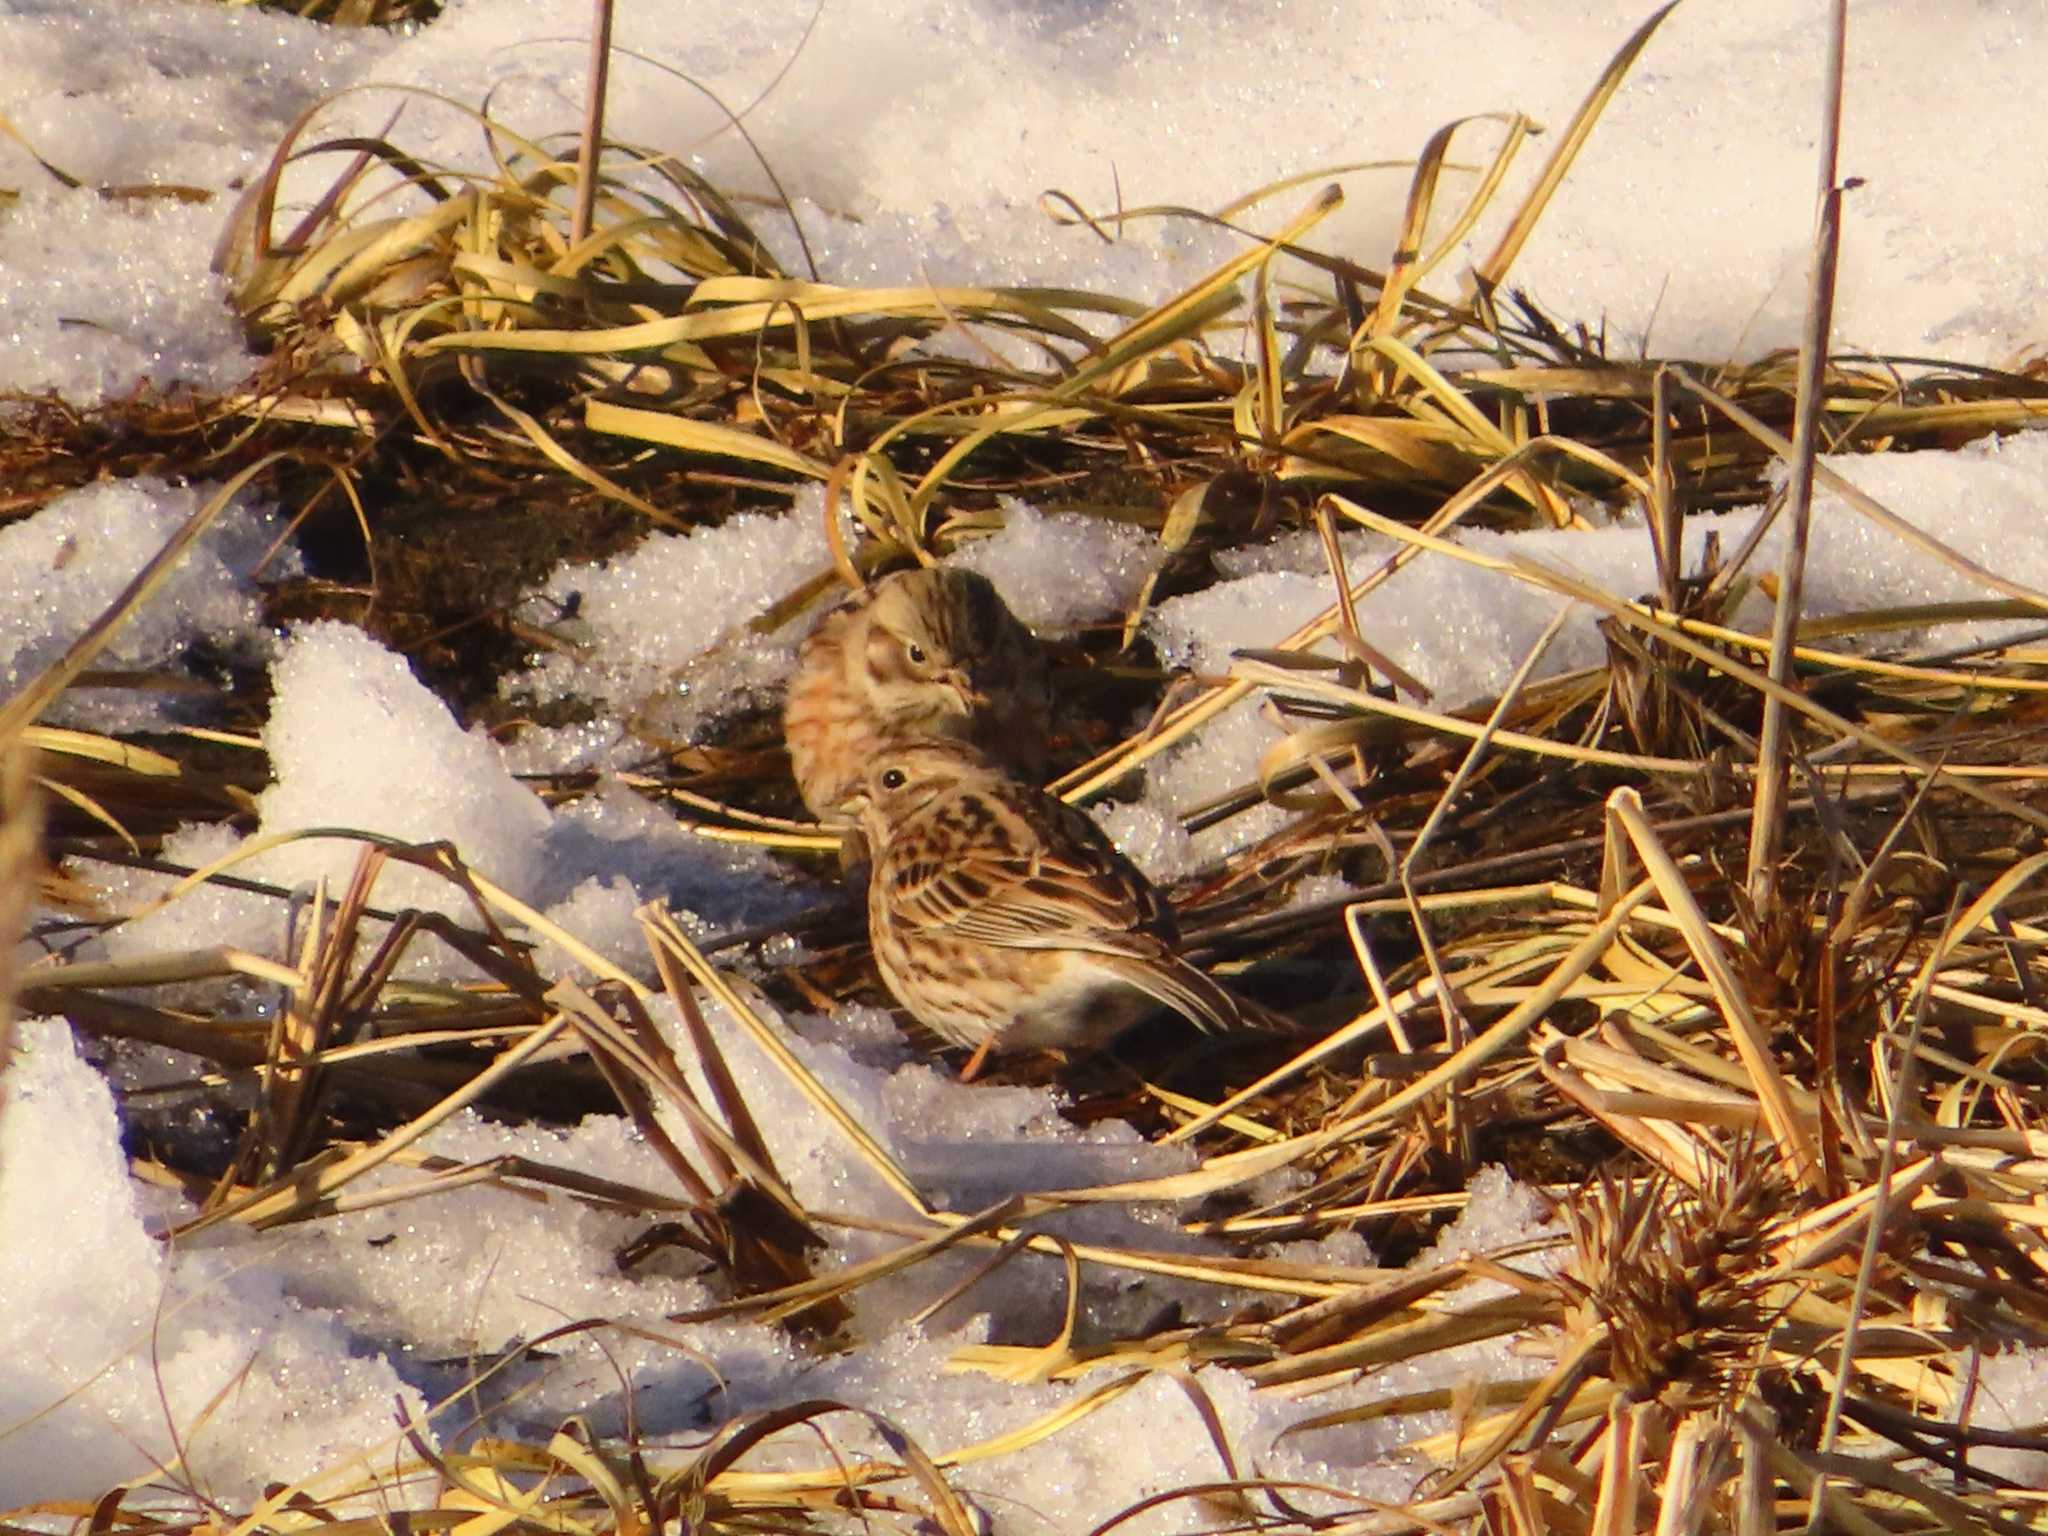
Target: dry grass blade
[
  {"x": 1410, "y": 265},
  {"x": 1151, "y": 333},
  {"x": 1750, "y": 1041},
  {"x": 591, "y": 143},
  {"x": 1490, "y": 272},
  {"x": 1107, "y": 767},
  {"x": 1878, "y": 744},
  {"x": 731, "y": 1103},
  {"x": 666, "y": 936},
  {"x": 22, "y": 710},
  {"x": 312, "y": 1185},
  {"x": 21, "y": 827},
  {"x": 742, "y": 1215},
  {"x": 1781, "y": 447},
  {"x": 1813, "y": 348},
  {"x": 700, "y": 438},
  {"x": 1512, "y": 1028}
]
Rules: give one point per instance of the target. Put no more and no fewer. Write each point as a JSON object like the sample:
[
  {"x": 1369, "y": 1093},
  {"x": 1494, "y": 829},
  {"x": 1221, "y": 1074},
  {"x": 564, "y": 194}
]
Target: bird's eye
[
  {"x": 915, "y": 653},
  {"x": 894, "y": 778}
]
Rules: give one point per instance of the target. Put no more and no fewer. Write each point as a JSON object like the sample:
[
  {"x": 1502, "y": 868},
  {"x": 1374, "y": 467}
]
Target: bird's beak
[{"x": 971, "y": 698}]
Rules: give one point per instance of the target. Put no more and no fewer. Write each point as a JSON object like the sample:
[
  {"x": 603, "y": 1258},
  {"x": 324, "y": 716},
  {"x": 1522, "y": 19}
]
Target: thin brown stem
[
  {"x": 593, "y": 120},
  {"x": 1813, "y": 352}
]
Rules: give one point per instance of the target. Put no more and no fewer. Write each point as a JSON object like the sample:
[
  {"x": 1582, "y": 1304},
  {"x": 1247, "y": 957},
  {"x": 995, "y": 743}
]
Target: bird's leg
[{"x": 979, "y": 1059}]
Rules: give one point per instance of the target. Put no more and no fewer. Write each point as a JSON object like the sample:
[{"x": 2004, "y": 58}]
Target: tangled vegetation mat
[{"x": 1738, "y": 965}]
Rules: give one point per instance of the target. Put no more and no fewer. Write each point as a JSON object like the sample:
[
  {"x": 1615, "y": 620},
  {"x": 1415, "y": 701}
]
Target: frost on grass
[{"x": 62, "y": 567}]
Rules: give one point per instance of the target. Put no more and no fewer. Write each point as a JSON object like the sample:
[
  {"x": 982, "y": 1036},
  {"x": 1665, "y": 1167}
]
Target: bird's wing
[
  {"x": 1006, "y": 900},
  {"x": 1039, "y": 875},
  {"x": 1047, "y": 877},
  {"x": 1068, "y": 906}
]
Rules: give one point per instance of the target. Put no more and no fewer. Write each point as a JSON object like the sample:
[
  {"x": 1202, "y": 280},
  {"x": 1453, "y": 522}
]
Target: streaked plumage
[
  {"x": 930, "y": 652},
  {"x": 1004, "y": 919}
]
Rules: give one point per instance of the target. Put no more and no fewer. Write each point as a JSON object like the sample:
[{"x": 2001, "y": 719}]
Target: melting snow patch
[
  {"x": 121, "y": 1354},
  {"x": 62, "y": 567}
]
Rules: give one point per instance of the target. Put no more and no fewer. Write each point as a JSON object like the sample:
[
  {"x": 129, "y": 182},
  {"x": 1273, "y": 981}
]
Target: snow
[
  {"x": 916, "y": 135},
  {"x": 118, "y": 1347},
  {"x": 1061, "y": 570},
  {"x": 97, "y": 295},
  {"x": 402, "y": 1300},
  {"x": 357, "y": 742},
  {"x": 61, "y": 569},
  {"x": 2012, "y": 1393},
  {"x": 664, "y": 635},
  {"x": 660, "y": 632}
]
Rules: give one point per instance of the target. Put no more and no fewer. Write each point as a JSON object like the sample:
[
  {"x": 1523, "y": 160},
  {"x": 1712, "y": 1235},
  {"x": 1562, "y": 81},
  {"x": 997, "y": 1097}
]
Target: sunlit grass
[{"x": 1796, "y": 1149}]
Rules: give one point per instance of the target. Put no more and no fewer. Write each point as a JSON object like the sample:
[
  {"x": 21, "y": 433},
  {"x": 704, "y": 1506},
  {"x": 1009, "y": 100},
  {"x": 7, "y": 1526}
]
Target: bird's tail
[{"x": 1193, "y": 995}]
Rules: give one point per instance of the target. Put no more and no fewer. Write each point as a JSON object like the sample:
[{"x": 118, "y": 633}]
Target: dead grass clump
[{"x": 506, "y": 344}]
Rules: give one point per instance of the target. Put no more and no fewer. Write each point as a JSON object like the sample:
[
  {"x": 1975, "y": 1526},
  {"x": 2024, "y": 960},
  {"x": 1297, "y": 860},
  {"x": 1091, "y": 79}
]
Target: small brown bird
[
  {"x": 1004, "y": 919},
  {"x": 928, "y": 652}
]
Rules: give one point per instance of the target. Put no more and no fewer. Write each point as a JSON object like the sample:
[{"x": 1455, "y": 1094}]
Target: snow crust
[
  {"x": 917, "y": 135},
  {"x": 61, "y": 569},
  {"x": 118, "y": 1347},
  {"x": 358, "y": 745}
]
